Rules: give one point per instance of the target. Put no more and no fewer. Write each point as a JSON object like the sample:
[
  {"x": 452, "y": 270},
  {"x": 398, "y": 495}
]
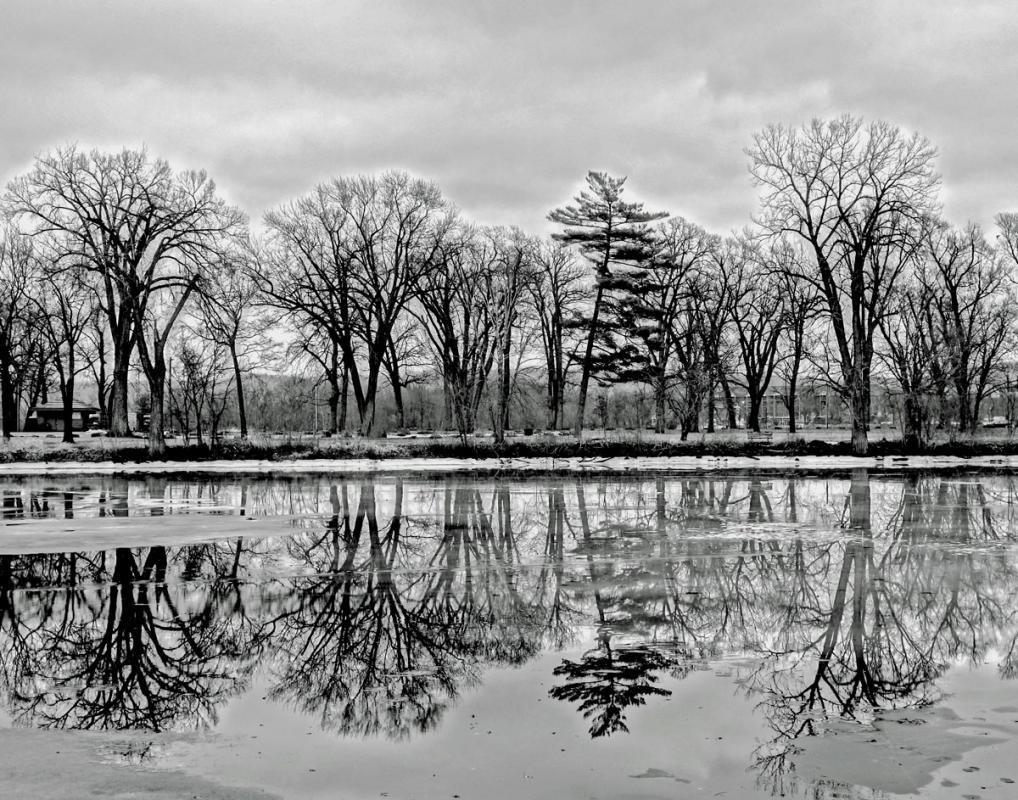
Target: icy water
[{"x": 688, "y": 636}]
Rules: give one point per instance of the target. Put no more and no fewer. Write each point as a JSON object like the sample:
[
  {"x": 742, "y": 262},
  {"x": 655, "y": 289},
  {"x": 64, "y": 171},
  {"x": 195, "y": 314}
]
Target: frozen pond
[{"x": 709, "y": 635}]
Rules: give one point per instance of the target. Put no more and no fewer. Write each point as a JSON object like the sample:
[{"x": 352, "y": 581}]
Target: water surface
[{"x": 850, "y": 636}]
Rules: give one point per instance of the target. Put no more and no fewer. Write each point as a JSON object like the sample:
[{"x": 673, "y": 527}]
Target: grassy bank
[{"x": 131, "y": 452}]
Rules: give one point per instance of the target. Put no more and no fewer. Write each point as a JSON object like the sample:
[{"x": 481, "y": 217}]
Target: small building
[{"x": 50, "y": 417}]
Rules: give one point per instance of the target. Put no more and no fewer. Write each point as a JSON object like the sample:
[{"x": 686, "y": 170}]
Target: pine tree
[{"x": 611, "y": 234}]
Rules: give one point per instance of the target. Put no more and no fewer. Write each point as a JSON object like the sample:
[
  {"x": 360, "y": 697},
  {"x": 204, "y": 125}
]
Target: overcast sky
[{"x": 507, "y": 105}]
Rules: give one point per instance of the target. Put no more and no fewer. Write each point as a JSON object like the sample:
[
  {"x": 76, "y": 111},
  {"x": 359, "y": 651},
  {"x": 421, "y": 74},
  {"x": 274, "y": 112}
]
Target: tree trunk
[
  {"x": 102, "y": 390},
  {"x": 67, "y": 395},
  {"x": 505, "y": 384},
  {"x": 40, "y": 380},
  {"x": 368, "y": 415},
  {"x": 659, "y": 402},
  {"x": 913, "y": 423},
  {"x": 397, "y": 386},
  {"x": 36, "y": 393},
  {"x": 344, "y": 393},
  {"x": 156, "y": 440},
  {"x": 118, "y": 422},
  {"x": 552, "y": 403},
  {"x": 726, "y": 390},
  {"x": 198, "y": 435},
  {"x": 551, "y": 386},
  {"x": 790, "y": 403},
  {"x": 333, "y": 403},
  {"x": 859, "y": 401},
  {"x": 710, "y": 409},
  {"x": 753, "y": 420},
  {"x": 397, "y": 398},
  {"x": 6, "y": 400},
  {"x": 448, "y": 403},
  {"x": 241, "y": 407},
  {"x": 560, "y": 377},
  {"x": 581, "y": 400},
  {"x": 367, "y": 405}
]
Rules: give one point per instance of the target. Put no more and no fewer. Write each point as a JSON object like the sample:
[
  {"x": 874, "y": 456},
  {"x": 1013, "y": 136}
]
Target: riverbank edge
[
  {"x": 513, "y": 467},
  {"x": 131, "y": 451}
]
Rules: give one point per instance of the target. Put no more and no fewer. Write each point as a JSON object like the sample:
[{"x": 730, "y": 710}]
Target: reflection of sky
[
  {"x": 696, "y": 743},
  {"x": 702, "y": 737}
]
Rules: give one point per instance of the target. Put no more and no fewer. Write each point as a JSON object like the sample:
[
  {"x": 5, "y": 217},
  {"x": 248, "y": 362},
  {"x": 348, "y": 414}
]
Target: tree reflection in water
[
  {"x": 397, "y": 618},
  {"x": 133, "y": 655},
  {"x": 388, "y": 600},
  {"x": 607, "y": 681}
]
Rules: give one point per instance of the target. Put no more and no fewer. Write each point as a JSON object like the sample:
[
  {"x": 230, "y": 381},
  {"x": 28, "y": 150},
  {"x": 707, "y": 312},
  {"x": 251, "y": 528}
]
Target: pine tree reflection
[
  {"x": 608, "y": 680},
  {"x": 611, "y": 678}
]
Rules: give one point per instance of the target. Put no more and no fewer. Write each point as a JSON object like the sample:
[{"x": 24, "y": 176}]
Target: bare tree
[
  {"x": 1007, "y": 225},
  {"x": 912, "y": 346},
  {"x": 710, "y": 297},
  {"x": 305, "y": 272},
  {"x": 405, "y": 362},
  {"x": 197, "y": 225},
  {"x": 144, "y": 231},
  {"x": 351, "y": 257},
  {"x": 226, "y": 307},
  {"x": 17, "y": 274},
  {"x": 756, "y": 308},
  {"x": 849, "y": 191},
  {"x": 201, "y": 384},
  {"x": 555, "y": 294},
  {"x": 459, "y": 303},
  {"x": 801, "y": 305},
  {"x": 96, "y": 339},
  {"x": 68, "y": 308},
  {"x": 975, "y": 309},
  {"x": 515, "y": 255}
]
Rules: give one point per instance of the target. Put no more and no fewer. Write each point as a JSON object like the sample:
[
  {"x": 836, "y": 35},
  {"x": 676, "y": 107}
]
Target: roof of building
[{"x": 76, "y": 407}]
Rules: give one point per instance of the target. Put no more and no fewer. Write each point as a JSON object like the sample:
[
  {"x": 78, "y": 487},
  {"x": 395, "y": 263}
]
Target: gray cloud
[{"x": 507, "y": 105}]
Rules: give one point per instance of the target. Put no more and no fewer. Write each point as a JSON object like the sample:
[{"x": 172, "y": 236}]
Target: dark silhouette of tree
[
  {"x": 611, "y": 233},
  {"x": 68, "y": 308},
  {"x": 226, "y": 308},
  {"x": 855, "y": 194},
  {"x": 145, "y": 232},
  {"x": 462, "y": 306},
  {"x": 18, "y": 272},
  {"x": 351, "y": 258},
  {"x": 801, "y": 307},
  {"x": 970, "y": 293},
  {"x": 658, "y": 310},
  {"x": 128, "y": 656},
  {"x": 912, "y": 352},
  {"x": 756, "y": 308},
  {"x": 607, "y": 681},
  {"x": 556, "y": 294}
]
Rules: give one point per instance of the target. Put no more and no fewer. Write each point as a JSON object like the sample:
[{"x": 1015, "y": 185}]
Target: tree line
[{"x": 847, "y": 277}]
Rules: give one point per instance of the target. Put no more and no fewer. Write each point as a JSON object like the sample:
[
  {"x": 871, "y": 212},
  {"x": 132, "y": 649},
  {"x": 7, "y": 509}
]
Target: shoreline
[{"x": 516, "y": 467}]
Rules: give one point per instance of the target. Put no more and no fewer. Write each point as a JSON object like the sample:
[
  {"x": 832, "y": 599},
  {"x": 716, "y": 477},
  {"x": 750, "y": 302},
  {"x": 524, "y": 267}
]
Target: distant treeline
[{"x": 374, "y": 290}]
